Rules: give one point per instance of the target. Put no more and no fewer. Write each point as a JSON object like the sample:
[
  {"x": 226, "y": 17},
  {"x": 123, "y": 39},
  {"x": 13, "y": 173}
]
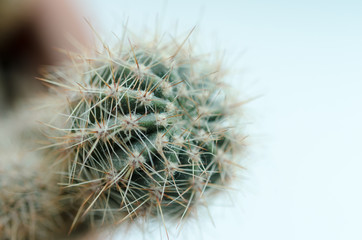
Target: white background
[{"x": 303, "y": 177}]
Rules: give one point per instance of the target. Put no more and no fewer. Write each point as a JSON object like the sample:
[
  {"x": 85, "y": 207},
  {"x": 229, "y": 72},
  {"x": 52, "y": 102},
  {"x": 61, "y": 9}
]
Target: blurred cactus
[
  {"x": 32, "y": 204},
  {"x": 29, "y": 206}
]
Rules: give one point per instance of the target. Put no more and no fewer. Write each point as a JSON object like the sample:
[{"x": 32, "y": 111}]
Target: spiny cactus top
[{"x": 148, "y": 131}]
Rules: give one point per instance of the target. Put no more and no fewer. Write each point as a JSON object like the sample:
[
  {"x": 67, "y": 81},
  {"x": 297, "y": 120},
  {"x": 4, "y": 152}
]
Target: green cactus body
[{"x": 146, "y": 134}]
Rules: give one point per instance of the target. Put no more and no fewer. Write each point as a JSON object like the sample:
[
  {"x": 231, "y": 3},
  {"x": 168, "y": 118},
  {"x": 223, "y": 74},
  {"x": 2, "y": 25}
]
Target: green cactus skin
[{"x": 148, "y": 132}]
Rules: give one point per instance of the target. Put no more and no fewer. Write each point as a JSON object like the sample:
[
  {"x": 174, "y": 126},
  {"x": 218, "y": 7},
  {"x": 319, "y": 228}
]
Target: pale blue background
[{"x": 304, "y": 176}]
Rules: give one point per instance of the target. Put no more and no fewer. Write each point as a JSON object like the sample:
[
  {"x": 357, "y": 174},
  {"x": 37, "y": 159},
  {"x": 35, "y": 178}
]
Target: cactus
[
  {"x": 32, "y": 204},
  {"x": 149, "y": 131},
  {"x": 29, "y": 206}
]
